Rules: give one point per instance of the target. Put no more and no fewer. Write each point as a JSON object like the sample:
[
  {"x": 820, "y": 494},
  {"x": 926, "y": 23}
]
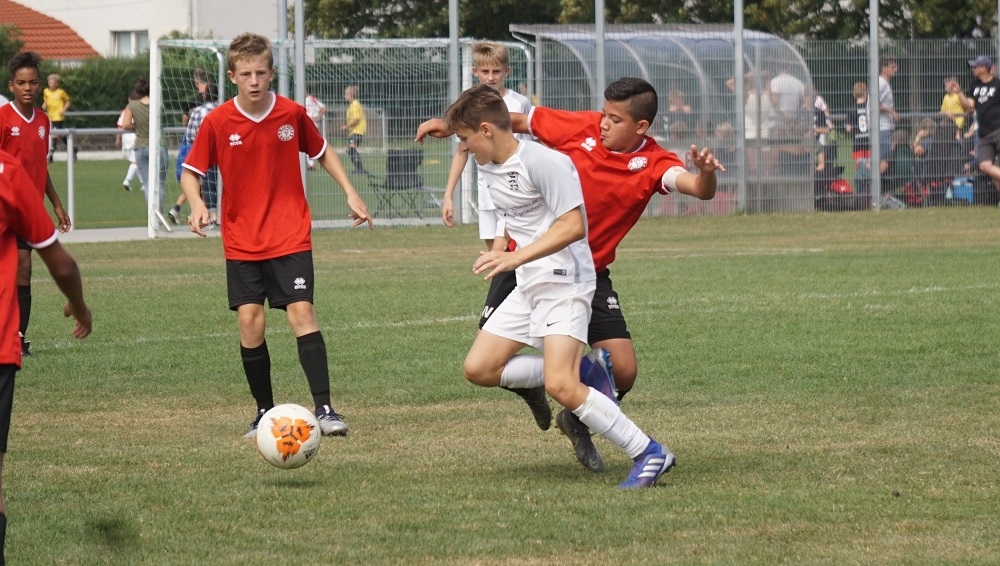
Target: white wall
[{"x": 94, "y": 20}]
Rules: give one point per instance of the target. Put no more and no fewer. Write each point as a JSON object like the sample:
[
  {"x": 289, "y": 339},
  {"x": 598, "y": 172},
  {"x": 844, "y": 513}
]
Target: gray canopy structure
[{"x": 697, "y": 64}]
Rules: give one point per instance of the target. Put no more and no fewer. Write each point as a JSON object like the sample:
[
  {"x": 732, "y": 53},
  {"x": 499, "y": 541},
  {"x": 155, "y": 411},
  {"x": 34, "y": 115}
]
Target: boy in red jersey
[
  {"x": 255, "y": 140},
  {"x": 620, "y": 169},
  {"x": 23, "y": 218},
  {"x": 24, "y": 133}
]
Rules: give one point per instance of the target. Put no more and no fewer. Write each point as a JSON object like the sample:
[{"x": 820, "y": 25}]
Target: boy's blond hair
[
  {"x": 860, "y": 89},
  {"x": 53, "y": 77},
  {"x": 490, "y": 53},
  {"x": 477, "y": 105},
  {"x": 248, "y": 46}
]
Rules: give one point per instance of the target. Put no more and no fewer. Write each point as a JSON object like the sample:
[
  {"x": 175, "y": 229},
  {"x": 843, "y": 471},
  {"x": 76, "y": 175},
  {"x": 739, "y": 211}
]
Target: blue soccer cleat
[
  {"x": 595, "y": 371},
  {"x": 654, "y": 461}
]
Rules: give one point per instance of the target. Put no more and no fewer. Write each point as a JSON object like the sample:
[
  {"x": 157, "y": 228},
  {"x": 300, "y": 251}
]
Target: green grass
[
  {"x": 827, "y": 381},
  {"x": 100, "y": 201}
]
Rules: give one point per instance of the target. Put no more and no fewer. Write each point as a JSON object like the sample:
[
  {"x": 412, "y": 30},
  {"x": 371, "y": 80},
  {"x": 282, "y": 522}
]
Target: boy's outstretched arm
[
  {"x": 702, "y": 185},
  {"x": 359, "y": 210}
]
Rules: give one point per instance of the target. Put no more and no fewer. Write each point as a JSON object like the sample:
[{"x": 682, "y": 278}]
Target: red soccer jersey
[
  {"x": 27, "y": 139},
  {"x": 264, "y": 212},
  {"x": 616, "y": 186},
  {"x": 23, "y": 216}
]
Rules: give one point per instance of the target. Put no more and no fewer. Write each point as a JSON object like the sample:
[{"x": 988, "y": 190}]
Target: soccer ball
[{"x": 288, "y": 436}]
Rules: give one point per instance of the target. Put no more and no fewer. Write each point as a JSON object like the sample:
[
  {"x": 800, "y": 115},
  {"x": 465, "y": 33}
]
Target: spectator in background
[
  {"x": 788, "y": 96},
  {"x": 678, "y": 112},
  {"x": 859, "y": 128},
  {"x": 55, "y": 103},
  {"x": 315, "y": 109},
  {"x": 887, "y": 111},
  {"x": 983, "y": 96},
  {"x": 826, "y": 154},
  {"x": 201, "y": 84},
  {"x": 356, "y": 127},
  {"x": 210, "y": 182},
  {"x": 136, "y": 118},
  {"x": 759, "y": 118},
  {"x": 951, "y": 105},
  {"x": 126, "y": 142}
]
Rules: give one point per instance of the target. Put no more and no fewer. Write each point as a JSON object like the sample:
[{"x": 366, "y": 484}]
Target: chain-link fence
[{"x": 788, "y": 126}]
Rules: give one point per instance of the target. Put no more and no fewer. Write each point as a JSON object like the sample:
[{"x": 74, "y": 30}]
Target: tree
[
  {"x": 422, "y": 18},
  {"x": 10, "y": 42}
]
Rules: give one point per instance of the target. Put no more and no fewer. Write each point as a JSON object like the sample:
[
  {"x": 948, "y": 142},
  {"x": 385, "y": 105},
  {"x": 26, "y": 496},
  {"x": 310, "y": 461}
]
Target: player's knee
[
  {"x": 624, "y": 375},
  {"x": 479, "y": 373}
]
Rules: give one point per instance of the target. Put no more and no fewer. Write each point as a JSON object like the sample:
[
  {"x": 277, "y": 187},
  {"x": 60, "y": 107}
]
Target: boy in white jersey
[{"x": 539, "y": 201}]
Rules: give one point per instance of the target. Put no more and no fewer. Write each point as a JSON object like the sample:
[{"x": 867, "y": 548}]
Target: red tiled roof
[{"x": 50, "y": 38}]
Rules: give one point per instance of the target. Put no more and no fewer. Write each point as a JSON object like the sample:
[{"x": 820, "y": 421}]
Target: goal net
[{"x": 400, "y": 83}]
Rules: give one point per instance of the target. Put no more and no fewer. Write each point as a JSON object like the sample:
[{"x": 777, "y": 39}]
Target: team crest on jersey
[
  {"x": 637, "y": 164},
  {"x": 15, "y": 131},
  {"x": 286, "y": 132},
  {"x": 41, "y": 132},
  {"x": 512, "y": 181}
]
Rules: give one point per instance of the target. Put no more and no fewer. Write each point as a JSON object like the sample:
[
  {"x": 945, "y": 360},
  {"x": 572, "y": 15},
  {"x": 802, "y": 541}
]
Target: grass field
[{"x": 828, "y": 382}]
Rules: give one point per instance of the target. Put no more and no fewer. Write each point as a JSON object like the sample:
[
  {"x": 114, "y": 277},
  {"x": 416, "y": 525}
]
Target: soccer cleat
[
  {"x": 599, "y": 375},
  {"x": 252, "y": 433},
  {"x": 126, "y": 186},
  {"x": 580, "y": 437},
  {"x": 538, "y": 403},
  {"x": 330, "y": 423},
  {"x": 174, "y": 215},
  {"x": 654, "y": 461}
]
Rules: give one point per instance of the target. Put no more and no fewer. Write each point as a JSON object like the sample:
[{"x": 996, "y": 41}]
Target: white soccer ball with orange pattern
[{"x": 288, "y": 436}]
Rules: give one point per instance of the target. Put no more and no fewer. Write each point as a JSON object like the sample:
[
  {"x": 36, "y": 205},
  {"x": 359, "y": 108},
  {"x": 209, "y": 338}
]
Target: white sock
[
  {"x": 602, "y": 416},
  {"x": 523, "y": 371},
  {"x": 133, "y": 170}
]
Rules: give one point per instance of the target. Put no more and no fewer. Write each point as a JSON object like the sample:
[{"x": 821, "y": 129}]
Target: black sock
[
  {"x": 621, "y": 394},
  {"x": 257, "y": 366},
  {"x": 312, "y": 356},
  {"x": 24, "y": 303},
  {"x": 3, "y": 537}
]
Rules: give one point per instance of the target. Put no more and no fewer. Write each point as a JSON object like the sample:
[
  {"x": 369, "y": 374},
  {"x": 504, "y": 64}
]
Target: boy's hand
[
  {"x": 447, "y": 213},
  {"x": 705, "y": 161},
  {"x": 84, "y": 321},
  {"x": 199, "y": 218},
  {"x": 64, "y": 222},
  {"x": 495, "y": 262},
  {"x": 359, "y": 212},
  {"x": 434, "y": 127}
]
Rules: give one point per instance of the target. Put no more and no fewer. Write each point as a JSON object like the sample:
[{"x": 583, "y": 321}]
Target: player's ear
[
  {"x": 486, "y": 129},
  {"x": 232, "y": 76},
  {"x": 641, "y": 127}
]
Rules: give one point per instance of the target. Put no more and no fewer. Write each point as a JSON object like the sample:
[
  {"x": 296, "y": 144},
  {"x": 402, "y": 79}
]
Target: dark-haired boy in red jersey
[
  {"x": 620, "y": 169},
  {"x": 23, "y": 218},
  {"x": 255, "y": 139},
  {"x": 24, "y": 133}
]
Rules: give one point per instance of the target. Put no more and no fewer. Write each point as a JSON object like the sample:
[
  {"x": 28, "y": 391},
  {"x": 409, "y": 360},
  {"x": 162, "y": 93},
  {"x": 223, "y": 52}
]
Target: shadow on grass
[{"x": 119, "y": 535}]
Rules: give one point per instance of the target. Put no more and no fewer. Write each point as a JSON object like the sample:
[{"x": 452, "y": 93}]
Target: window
[{"x": 129, "y": 43}]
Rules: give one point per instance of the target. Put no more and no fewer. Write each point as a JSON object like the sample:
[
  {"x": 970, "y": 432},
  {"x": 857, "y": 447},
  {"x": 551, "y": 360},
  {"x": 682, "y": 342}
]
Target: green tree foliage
[
  {"x": 806, "y": 19},
  {"x": 10, "y": 44},
  {"x": 335, "y": 19}
]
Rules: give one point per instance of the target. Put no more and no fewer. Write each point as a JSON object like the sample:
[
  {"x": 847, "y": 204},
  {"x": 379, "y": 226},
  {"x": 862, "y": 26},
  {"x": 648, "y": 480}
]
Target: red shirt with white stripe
[
  {"x": 616, "y": 186},
  {"x": 264, "y": 212},
  {"x": 22, "y": 215},
  {"x": 27, "y": 139}
]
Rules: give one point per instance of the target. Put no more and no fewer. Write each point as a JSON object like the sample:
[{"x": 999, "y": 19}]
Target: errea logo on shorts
[
  {"x": 235, "y": 140},
  {"x": 286, "y": 132},
  {"x": 299, "y": 283},
  {"x": 613, "y": 304}
]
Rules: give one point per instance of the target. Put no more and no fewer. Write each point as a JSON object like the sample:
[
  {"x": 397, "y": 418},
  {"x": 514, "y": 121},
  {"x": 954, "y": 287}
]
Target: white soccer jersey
[
  {"x": 530, "y": 191},
  {"x": 518, "y": 103}
]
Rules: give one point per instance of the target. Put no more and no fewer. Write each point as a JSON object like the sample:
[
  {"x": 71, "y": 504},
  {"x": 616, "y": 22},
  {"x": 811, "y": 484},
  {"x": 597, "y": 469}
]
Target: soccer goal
[{"x": 400, "y": 83}]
